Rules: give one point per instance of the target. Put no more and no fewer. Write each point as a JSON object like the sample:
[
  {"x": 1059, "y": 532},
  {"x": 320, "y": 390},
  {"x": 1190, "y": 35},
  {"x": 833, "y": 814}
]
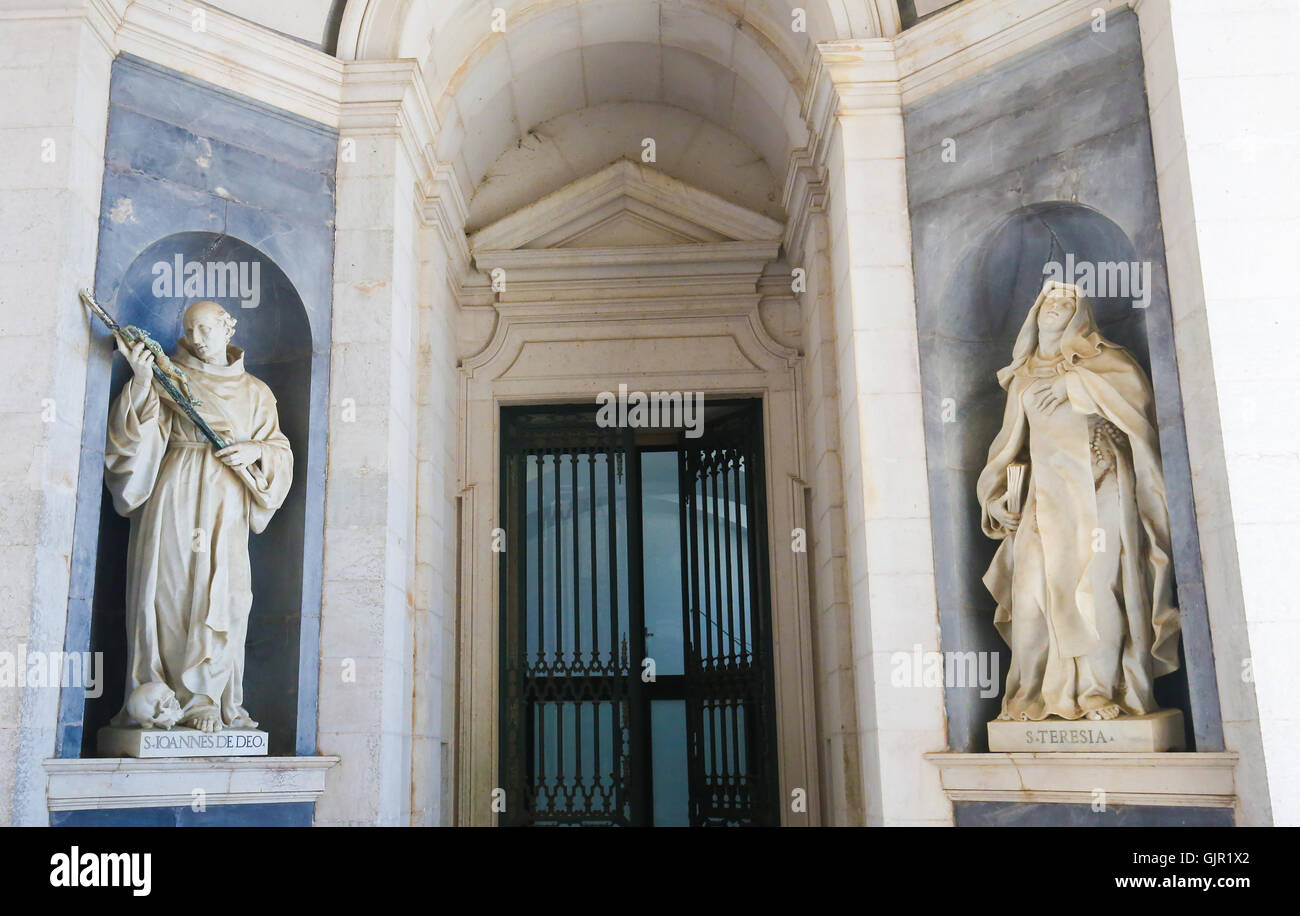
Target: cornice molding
[
  {"x": 718, "y": 264},
  {"x": 623, "y": 179},
  {"x": 857, "y": 76},
  {"x": 803, "y": 196},
  {"x": 443, "y": 207},
  {"x": 864, "y": 73},
  {"x": 234, "y": 54},
  {"x": 645, "y": 255},
  {"x": 389, "y": 97},
  {"x": 105, "y": 18},
  {"x": 1197, "y": 780},
  {"x": 379, "y": 94},
  {"x": 695, "y": 277},
  {"x": 96, "y": 783},
  {"x": 547, "y": 217},
  {"x": 848, "y": 76},
  {"x": 972, "y": 36}
]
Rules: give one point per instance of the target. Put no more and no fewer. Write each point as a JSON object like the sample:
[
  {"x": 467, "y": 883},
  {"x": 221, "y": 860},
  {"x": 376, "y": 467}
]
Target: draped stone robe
[
  {"x": 1084, "y": 584},
  {"x": 189, "y": 583}
]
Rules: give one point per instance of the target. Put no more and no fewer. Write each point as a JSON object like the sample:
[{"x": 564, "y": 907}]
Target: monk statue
[
  {"x": 1074, "y": 489},
  {"x": 189, "y": 583}
]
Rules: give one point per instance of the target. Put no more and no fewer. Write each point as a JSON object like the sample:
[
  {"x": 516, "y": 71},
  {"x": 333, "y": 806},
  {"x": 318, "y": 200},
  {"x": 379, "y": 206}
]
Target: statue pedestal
[
  {"x": 182, "y": 742},
  {"x": 1154, "y": 733}
]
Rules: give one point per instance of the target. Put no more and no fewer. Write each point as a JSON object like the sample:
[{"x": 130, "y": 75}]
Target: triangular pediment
[{"x": 625, "y": 205}]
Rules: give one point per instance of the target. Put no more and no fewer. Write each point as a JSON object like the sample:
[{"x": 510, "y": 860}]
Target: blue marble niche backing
[
  {"x": 194, "y": 170},
  {"x": 1045, "y": 155}
]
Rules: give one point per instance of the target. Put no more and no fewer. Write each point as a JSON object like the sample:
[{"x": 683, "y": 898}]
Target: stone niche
[
  {"x": 195, "y": 171},
  {"x": 276, "y": 337},
  {"x": 1052, "y": 159}
]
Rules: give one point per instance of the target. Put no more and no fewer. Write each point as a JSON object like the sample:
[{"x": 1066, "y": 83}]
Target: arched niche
[
  {"x": 964, "y": 344},
  {"x": 1010, "y": 268},
  {"x": 276, "y": 336}
]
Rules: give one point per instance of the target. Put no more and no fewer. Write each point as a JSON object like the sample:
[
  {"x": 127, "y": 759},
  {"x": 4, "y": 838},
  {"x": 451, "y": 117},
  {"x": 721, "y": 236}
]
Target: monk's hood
[{"x": 186, "y": 357}]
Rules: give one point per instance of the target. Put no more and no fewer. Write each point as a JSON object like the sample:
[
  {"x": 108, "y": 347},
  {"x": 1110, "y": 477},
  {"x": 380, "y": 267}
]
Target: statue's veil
[{"x": 1079, "y": 340}]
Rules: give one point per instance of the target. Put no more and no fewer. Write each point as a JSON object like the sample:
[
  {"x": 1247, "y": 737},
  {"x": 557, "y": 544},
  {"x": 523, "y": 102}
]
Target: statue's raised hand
[{"x": 140, "y": 358}]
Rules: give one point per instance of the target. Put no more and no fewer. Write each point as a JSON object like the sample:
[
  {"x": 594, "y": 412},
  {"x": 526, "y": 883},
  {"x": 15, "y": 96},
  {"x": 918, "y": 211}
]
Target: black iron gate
[{"x": 636, "y": 648}]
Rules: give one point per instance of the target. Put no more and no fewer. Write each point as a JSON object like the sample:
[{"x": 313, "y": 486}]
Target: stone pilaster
[
  {"x": 56, "y": 74},
  {"x": 368, "y": 605},
  {"x": 857, "y": 104}
]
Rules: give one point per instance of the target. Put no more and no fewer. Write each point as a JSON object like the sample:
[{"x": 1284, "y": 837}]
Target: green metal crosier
[
  {"x": 130, "y": 334},
  {"x": 173, "y": 380}
]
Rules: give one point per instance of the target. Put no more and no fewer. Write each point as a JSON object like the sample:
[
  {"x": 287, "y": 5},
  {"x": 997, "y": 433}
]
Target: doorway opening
[{"x": 636, "y": 648}]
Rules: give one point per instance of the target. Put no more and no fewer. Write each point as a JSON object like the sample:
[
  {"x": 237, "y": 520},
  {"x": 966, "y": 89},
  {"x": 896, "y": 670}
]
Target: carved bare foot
[
  {"x": 205, "y": 722},
  {"x": 1104, "y": 712},
  {"x": 1004, "y": 717},
  {"x": 243, "y": 722}
]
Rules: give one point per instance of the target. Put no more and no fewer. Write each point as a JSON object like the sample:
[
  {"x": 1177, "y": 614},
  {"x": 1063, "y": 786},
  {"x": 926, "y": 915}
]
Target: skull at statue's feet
[{"x": 154, "y": 705}]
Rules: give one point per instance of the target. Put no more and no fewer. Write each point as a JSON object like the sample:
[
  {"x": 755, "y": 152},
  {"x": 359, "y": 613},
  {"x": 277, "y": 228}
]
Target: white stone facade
[{"x": 473, "y": 147}]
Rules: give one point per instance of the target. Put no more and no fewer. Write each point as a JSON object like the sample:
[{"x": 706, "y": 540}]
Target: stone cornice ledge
[
  {"x": 104, "y": 17},
  {"x": 1205, "y": 780},
  {"x": 443, "y": 206},
  {"x": 972, "y": 36},
  {"x": 94, "y": 783},
  {"x": 668, "y": 258},
  {"x": 863, "y": 73},
  {"x": 704, "y": 274},
  {"x": 622, "y": 179},
  {"x": 236, "y": 55}
]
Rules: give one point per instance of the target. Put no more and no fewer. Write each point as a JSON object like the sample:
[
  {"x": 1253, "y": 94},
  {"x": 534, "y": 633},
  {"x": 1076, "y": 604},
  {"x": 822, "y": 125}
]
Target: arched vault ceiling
[
  {"x": 490, "y": 114},
  {"x": 739, "y": 64}
]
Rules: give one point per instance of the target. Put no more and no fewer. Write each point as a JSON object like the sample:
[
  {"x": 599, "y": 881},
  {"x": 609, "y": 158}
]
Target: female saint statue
[{"x": 1074, "y": 489}]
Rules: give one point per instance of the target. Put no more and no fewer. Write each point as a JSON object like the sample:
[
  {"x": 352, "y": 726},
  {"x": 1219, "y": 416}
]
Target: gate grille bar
[{"x": 575, "y": 714}]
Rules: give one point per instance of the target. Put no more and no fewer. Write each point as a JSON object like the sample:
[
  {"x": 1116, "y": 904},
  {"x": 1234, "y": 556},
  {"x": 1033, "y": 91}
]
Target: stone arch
[
  {"x": 373, "y": 29},
  {"x": 740, "y": 66},
  {"x": 1049, "y": 231}
]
